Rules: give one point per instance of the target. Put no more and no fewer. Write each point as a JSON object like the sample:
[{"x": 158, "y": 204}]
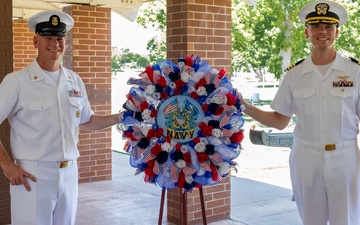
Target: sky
[{"x": 127, "y": 34}]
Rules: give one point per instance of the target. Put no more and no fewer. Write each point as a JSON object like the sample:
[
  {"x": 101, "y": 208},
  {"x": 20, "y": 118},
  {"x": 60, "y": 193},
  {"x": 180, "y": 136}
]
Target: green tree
[
  {"x": 157, "y": 49},
  {"x": 141, "y": 62},
  {"x": 269, "y": 36},
  {"x": 153, "y": 14},
  {"x": 348, "y": 41},
  {"x": 266, "y": 37},
  {"x": 115, "y": 61},
  {"x": 264, "y": 34},
  {"x": 124, "y": 57}
]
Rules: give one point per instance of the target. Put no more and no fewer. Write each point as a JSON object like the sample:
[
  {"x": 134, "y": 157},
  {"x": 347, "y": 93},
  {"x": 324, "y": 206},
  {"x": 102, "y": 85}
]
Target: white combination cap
[
  {"x": 51, "y": 23},
  {"x": 323, "y": 11}
]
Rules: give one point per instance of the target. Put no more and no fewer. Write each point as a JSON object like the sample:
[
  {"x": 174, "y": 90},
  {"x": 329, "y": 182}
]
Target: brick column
[
  {"x": 6, "y": 66},
  {"x": 89, "y": 55},
  {"x": 201, "y": 28},
  {"x": 23, "y": 47}
]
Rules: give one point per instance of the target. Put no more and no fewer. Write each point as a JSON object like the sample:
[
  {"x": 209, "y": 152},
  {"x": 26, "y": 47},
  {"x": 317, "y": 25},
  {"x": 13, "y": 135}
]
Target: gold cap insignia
[
  {"x": 54, "y": 20},
  {"x": 322, "y": 8}
]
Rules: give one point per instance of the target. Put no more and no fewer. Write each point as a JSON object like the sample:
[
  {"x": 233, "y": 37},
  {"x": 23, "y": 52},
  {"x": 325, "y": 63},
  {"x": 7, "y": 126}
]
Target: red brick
[{"x": 208, "y": 36}]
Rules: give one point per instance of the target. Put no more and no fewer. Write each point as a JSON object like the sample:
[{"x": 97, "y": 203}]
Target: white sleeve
[
  {"x": 9, "y": 94},
  {"x": 283, "y": 100}
]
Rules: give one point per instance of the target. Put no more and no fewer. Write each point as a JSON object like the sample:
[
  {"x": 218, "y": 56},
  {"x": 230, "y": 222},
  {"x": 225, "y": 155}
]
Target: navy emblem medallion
[{"x": 179, "y": 117}]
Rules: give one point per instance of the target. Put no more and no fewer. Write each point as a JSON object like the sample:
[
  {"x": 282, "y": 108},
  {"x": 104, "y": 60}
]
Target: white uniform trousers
[
  {"x": 52, "y": 199},
  {"x": 326, "y": 184}
]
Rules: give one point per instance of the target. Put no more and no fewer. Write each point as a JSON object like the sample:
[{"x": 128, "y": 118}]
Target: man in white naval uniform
[
  {"x": 45, "y": 105},
  {"x": 323, "y": 91}
]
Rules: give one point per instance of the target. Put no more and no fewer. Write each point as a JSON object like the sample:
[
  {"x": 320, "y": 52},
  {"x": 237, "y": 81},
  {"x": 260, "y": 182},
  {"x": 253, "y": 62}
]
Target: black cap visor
[
  {"x": 47, "y": 29},
  {"x": 329, "y": 18}
]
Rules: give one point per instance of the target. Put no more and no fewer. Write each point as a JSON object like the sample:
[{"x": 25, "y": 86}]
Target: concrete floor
[{"x": 127, "y": 200}]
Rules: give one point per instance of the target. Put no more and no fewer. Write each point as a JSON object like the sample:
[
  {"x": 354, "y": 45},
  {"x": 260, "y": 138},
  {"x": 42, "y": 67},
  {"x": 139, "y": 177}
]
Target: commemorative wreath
[{"x": 182, "y": 124}]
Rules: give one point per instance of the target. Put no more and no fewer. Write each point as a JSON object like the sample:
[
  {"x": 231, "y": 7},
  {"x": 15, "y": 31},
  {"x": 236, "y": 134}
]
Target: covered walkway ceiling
[{"x": 126, "y": 8}]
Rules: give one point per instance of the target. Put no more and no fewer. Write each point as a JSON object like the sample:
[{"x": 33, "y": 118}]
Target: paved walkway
[{"x": 127, "y": 200}]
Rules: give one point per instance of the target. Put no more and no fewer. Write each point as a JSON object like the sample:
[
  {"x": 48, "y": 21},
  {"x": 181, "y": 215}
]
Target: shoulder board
[
  {"x": 355, "y": 60},
  {"x": 293, "y": 65}
]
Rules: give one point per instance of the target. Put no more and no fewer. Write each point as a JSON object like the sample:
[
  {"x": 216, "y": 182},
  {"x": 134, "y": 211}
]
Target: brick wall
[
  {"x": 202, "y": 28},
  {"x": 89, "y": 55},
  {"x": 6, "y": 66},
  {"x": 216, "y": 199},
  {"x": 24, "y": 50}
]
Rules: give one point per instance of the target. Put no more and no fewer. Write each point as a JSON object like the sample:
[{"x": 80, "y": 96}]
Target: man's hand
[{"x": 17, "y": 175}]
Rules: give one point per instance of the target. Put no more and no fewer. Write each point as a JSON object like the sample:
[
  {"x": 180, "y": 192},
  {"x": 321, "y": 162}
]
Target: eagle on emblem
[{"x": 181, "y": 119}]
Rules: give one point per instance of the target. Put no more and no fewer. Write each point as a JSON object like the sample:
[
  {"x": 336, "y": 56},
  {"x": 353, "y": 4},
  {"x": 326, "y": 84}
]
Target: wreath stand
[{"x": 183, "y": 206}]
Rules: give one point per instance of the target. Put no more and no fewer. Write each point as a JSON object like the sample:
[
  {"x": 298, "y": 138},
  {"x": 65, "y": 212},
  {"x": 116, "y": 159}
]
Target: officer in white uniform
[
  {"x": 323, "y": 91},
  {"x": 45, "y": 105}
]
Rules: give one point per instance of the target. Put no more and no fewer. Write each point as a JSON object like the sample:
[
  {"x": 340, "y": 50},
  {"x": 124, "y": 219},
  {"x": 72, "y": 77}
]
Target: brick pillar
[
  {"x": 24, "y": 50},
  {"x": 201, "y": 28},
  {"x": 89, "y": 55},
  {"x": 6, "y": 66}
]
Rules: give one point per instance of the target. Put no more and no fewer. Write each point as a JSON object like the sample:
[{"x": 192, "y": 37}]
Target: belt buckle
[
  {"x": 330, "y": 147},
  {"x": 64, "y": 164}
]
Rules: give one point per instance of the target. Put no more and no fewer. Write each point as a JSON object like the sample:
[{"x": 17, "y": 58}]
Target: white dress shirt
[
  {"x": 326, "y": 113},
  {"x": 44, "y": 117}
]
